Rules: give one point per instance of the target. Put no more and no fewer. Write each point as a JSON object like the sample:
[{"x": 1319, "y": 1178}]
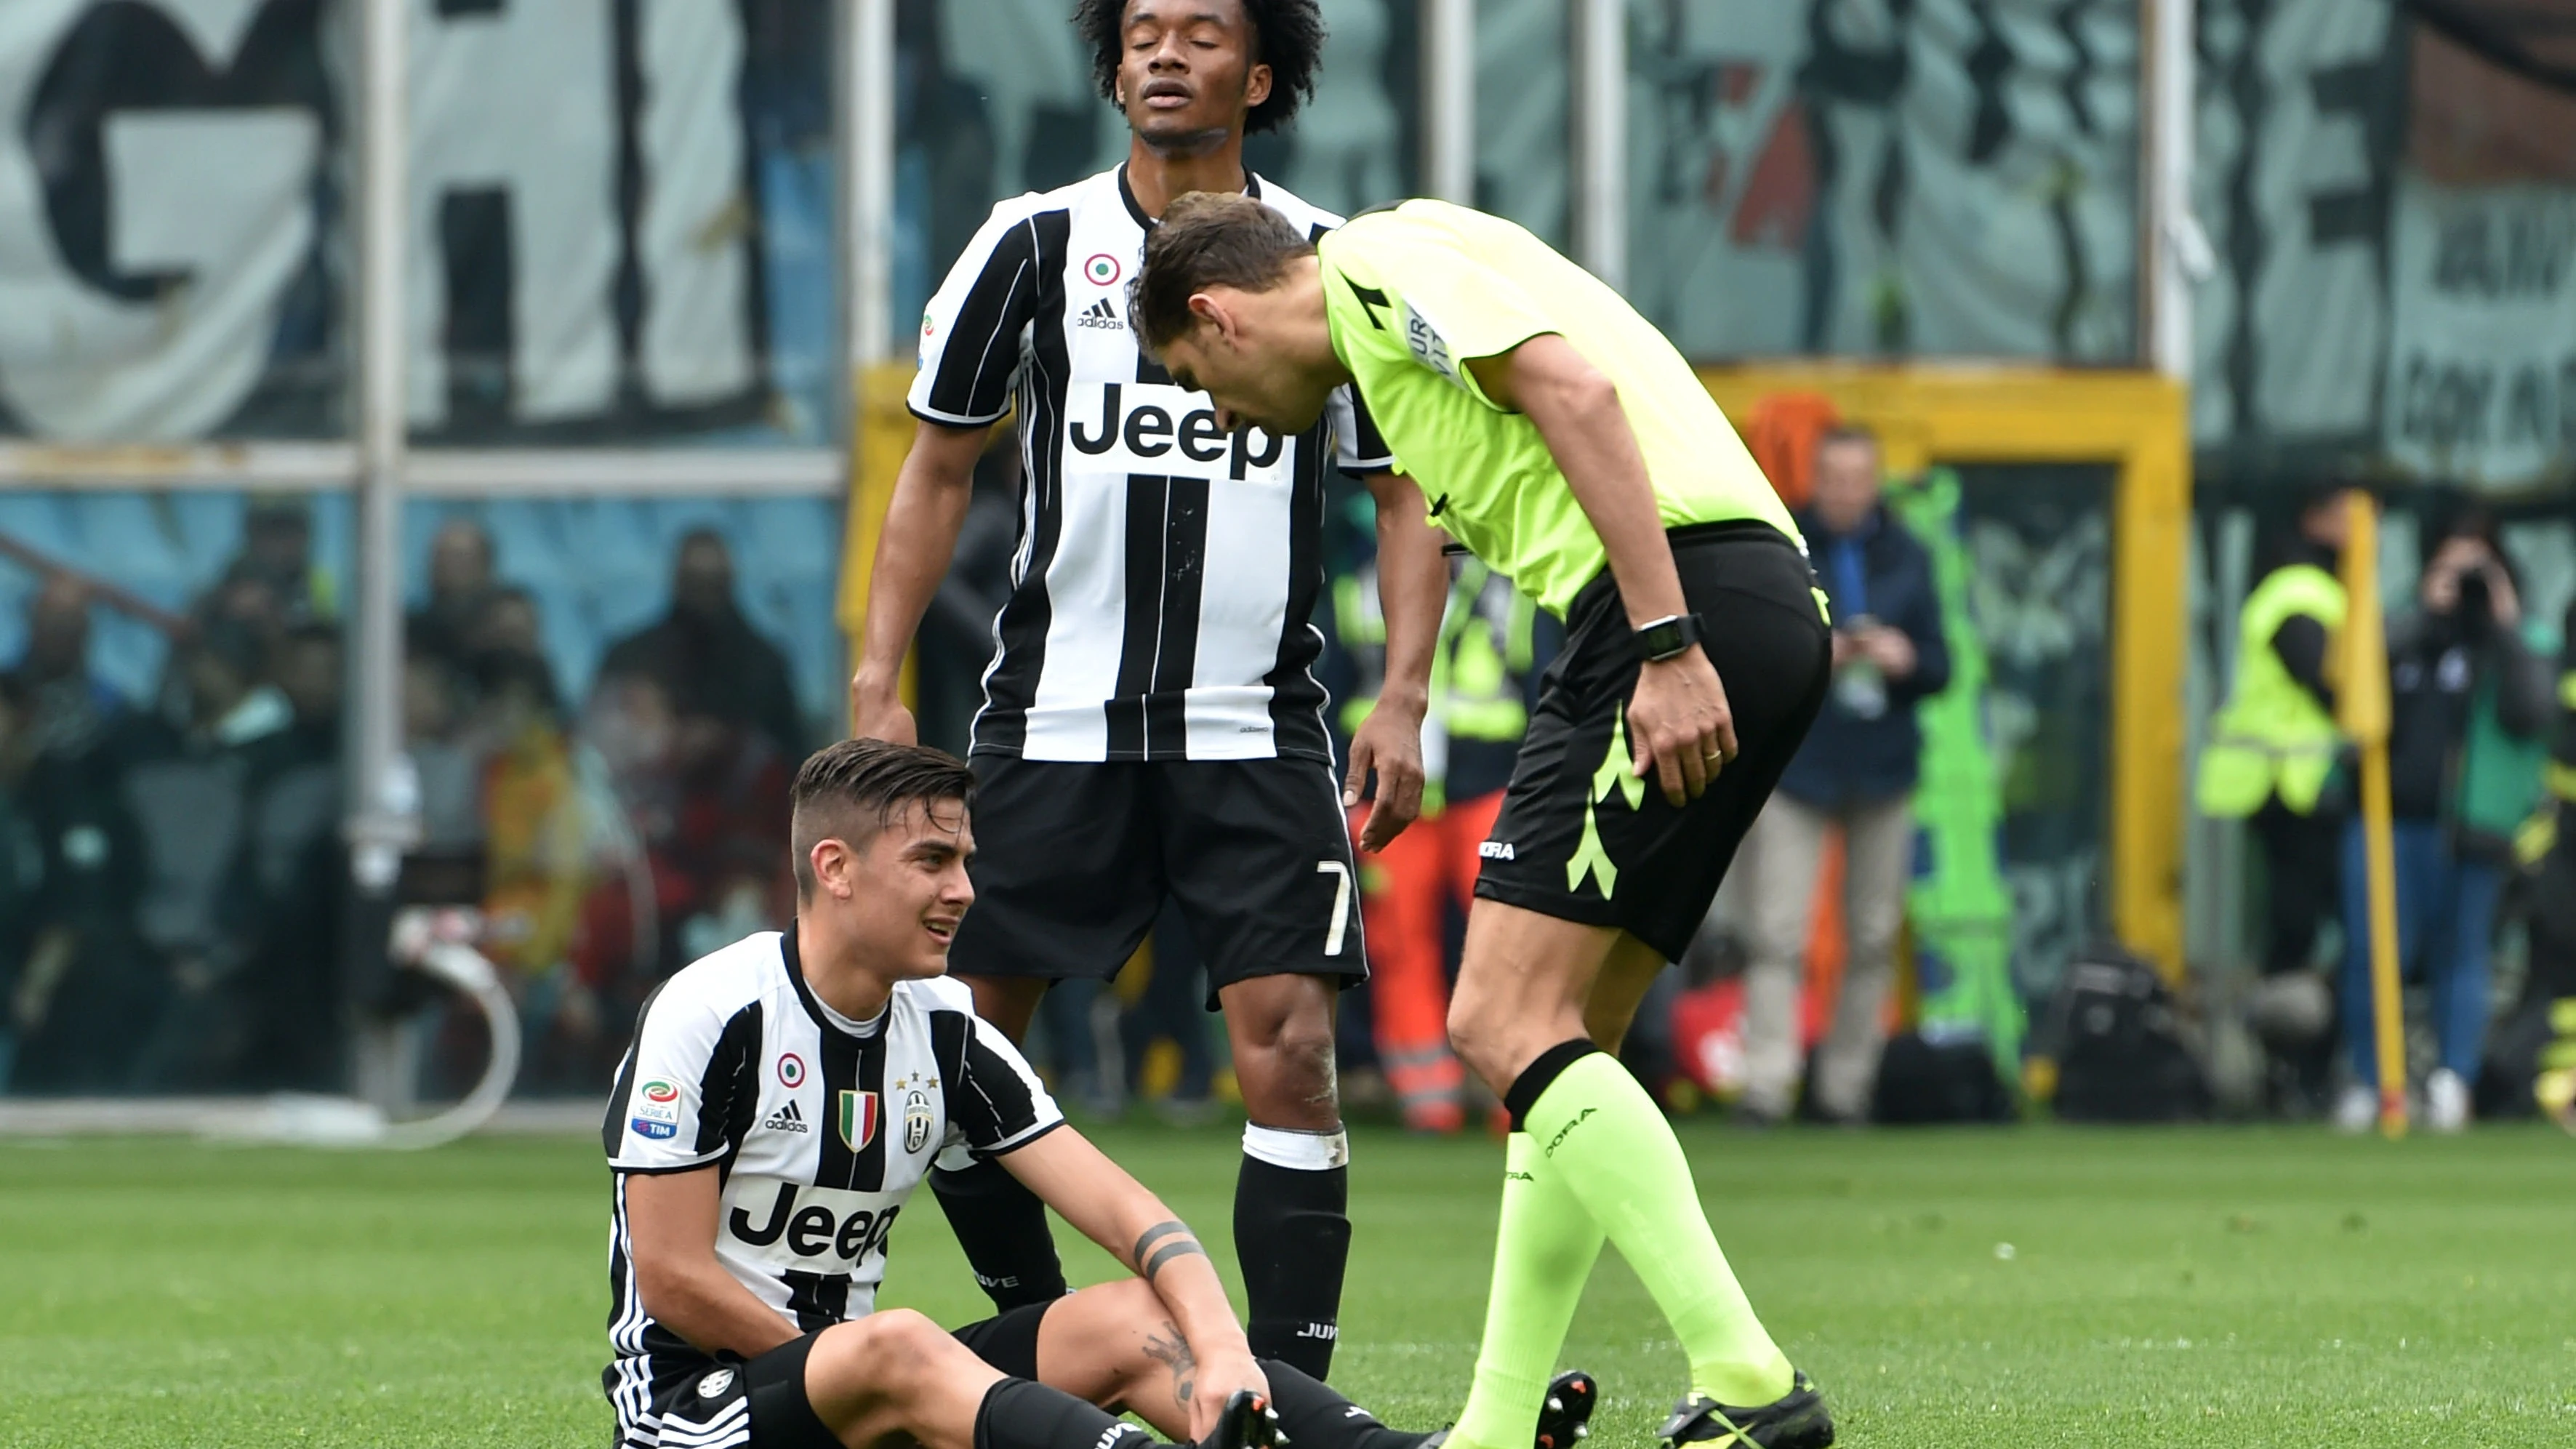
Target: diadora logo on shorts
[
  {"x": 1496, "y": 850},
  {"x": 1156, "y": 421},
  {"x": 787, "y": 1119},
  {"x": 1101, "y": 315}
]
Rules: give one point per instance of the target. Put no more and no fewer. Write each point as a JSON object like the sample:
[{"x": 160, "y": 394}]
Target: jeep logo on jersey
[
  {"x": 916, "y": 1121},
  {"x": 1167, "y": 427},
  {"x": 857, "y": 1119},
  {"x": 812, "y": 1227}
]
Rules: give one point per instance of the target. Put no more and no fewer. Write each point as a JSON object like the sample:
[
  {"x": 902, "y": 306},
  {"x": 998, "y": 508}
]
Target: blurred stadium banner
[
  {"x": 2383, "y": 186},
  {"x": 174, "y": 220}
]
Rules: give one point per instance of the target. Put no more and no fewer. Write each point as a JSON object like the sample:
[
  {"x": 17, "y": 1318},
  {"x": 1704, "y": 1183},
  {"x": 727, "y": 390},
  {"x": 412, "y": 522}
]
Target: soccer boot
[
  {"x": 1247, "y": 1423},
  {"x": 1564, "y": 1417},
  {"x": 1795, "y": 1420}
]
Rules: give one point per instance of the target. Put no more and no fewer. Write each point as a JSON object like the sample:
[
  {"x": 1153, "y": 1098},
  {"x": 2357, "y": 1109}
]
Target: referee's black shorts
[
  {"x": 1579, "y": 837},
  {"x": 1073, "y": 860}
]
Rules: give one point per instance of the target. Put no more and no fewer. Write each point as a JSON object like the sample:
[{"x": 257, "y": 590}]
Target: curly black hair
[{"x": 1287, "y": 36}]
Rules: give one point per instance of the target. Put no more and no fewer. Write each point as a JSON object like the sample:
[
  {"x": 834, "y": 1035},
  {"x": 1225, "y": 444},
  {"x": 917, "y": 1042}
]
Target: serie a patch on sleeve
[{"x": 657, "y": 1111}]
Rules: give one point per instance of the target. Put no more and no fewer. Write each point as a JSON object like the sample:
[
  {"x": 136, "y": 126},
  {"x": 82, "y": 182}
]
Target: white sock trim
[{"x": 1297, "y": 1151}]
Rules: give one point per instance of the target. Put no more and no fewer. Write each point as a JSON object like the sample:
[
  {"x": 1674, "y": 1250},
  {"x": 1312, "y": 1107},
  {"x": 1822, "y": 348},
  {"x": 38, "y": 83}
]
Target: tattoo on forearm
[
  {"x": 1160, "y": 1244},
  {"x": 1170, "y": 1349}
]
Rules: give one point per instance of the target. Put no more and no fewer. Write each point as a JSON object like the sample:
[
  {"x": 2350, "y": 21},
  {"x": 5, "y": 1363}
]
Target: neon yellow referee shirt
[{"x": 1414, "y": 292}]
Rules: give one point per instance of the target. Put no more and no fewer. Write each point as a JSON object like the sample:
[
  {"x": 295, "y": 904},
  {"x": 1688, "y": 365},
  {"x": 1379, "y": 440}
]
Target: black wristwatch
[{"x": 1657, "y": 640}]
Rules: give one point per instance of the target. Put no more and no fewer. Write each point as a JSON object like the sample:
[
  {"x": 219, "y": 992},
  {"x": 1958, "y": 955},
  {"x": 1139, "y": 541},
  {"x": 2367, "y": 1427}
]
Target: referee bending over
[{"x": 1560, "y": 438}]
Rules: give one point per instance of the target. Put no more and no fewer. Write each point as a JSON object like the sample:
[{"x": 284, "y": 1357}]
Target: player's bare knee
[
  {"x": 1290, "y": 1084},
  {"x": 1132, "y": 1304},
  {"x": 842, "y": 1367},
  {"x": 901, "y": 1347}
]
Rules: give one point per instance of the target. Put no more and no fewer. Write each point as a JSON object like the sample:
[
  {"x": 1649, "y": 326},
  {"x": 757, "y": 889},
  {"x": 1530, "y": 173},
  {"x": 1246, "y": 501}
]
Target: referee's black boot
[
  {"x": 1795, "y": 1420},
  {"x": 1564, "y": 1418}
]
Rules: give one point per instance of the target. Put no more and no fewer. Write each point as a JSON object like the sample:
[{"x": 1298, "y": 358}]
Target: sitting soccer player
[{"x": 785, "y": 1095}]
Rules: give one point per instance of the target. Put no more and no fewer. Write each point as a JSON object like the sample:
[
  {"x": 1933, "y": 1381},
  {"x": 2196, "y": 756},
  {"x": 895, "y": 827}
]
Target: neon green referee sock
[
  {"x": 1600, "y": 1135},
  {"x": 1543, "y": 1253}
]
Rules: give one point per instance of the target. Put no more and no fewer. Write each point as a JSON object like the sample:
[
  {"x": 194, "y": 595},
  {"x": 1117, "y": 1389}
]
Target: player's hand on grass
[
  {"x": 1389, "y": 741},
  {"x": 1220, "y": 1373},
  {"x": 877, "y": 712},
  {"x": 1679, "y": 728}
]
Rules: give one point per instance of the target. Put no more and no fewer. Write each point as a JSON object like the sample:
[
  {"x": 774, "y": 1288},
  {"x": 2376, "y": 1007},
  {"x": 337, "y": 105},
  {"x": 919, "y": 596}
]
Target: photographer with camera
[{"x": 2469, "y": 699}]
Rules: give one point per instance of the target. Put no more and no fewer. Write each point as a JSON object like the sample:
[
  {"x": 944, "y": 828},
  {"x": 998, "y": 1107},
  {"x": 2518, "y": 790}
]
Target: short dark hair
[
  {"x": 852, "y": 790},
  {"x": 1287, "y": 36},
  {"x": 1208, "y": 239},
  {"x": 1846, "y": 433}
]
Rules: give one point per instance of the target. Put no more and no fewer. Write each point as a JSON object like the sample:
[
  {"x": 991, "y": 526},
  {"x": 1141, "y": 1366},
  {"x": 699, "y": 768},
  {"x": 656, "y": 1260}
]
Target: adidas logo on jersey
[
  {"x": 787, "y": 1119},
  {"x": 1100, "y": 314}
]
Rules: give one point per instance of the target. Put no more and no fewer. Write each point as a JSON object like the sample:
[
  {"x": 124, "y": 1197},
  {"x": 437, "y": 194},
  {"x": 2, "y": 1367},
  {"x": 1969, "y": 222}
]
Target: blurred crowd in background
[
  {"x": 175, "y": 872},
  {"x": 172, "y": 872}
]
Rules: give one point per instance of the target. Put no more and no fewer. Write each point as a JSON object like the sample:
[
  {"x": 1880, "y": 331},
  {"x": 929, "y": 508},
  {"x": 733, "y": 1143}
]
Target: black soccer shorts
[
  {"x": 1582, "y": 839},
  {"x": 1072, "y": 862},
  {"x": 762, "y": 1404}
]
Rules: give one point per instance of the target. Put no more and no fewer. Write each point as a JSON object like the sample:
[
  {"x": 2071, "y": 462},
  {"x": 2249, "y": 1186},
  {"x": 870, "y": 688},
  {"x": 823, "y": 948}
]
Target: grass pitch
[{"x": 2039, "y": 1287}]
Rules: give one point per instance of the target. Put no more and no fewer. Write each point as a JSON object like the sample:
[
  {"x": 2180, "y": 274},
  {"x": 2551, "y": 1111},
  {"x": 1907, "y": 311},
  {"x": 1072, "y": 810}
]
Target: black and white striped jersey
[
  {"x": 1165, "y": 571},
  {"x": 818, "y": 1133}
]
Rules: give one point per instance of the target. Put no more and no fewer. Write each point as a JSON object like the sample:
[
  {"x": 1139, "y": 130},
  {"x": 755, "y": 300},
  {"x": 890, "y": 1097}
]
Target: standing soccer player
[
  {"x": 1561, "y": 438},
  {"x": 1151, "y": 726}
]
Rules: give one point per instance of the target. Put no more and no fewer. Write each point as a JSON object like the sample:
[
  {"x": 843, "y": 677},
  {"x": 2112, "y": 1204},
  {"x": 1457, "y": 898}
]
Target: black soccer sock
[
  {"x": 1293, "y": 1237},
  {"x": 1018, "y": 1414},
  {"x": 1312, "y": 1416},
  {"x": 1003, "y": 1228}
]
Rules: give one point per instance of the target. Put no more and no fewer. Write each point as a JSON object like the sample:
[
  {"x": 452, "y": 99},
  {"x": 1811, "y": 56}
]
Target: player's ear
[
  {"x": 833, "y": 863},
  {"x": 1256, "y": 86},
  {"x": 1214, "y": 313}
]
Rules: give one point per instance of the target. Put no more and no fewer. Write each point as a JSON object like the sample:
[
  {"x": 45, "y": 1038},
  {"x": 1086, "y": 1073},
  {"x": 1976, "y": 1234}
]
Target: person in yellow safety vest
[
  {"x": 1470, "y": 735},
  {"x": 2269, "y": 761}
]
